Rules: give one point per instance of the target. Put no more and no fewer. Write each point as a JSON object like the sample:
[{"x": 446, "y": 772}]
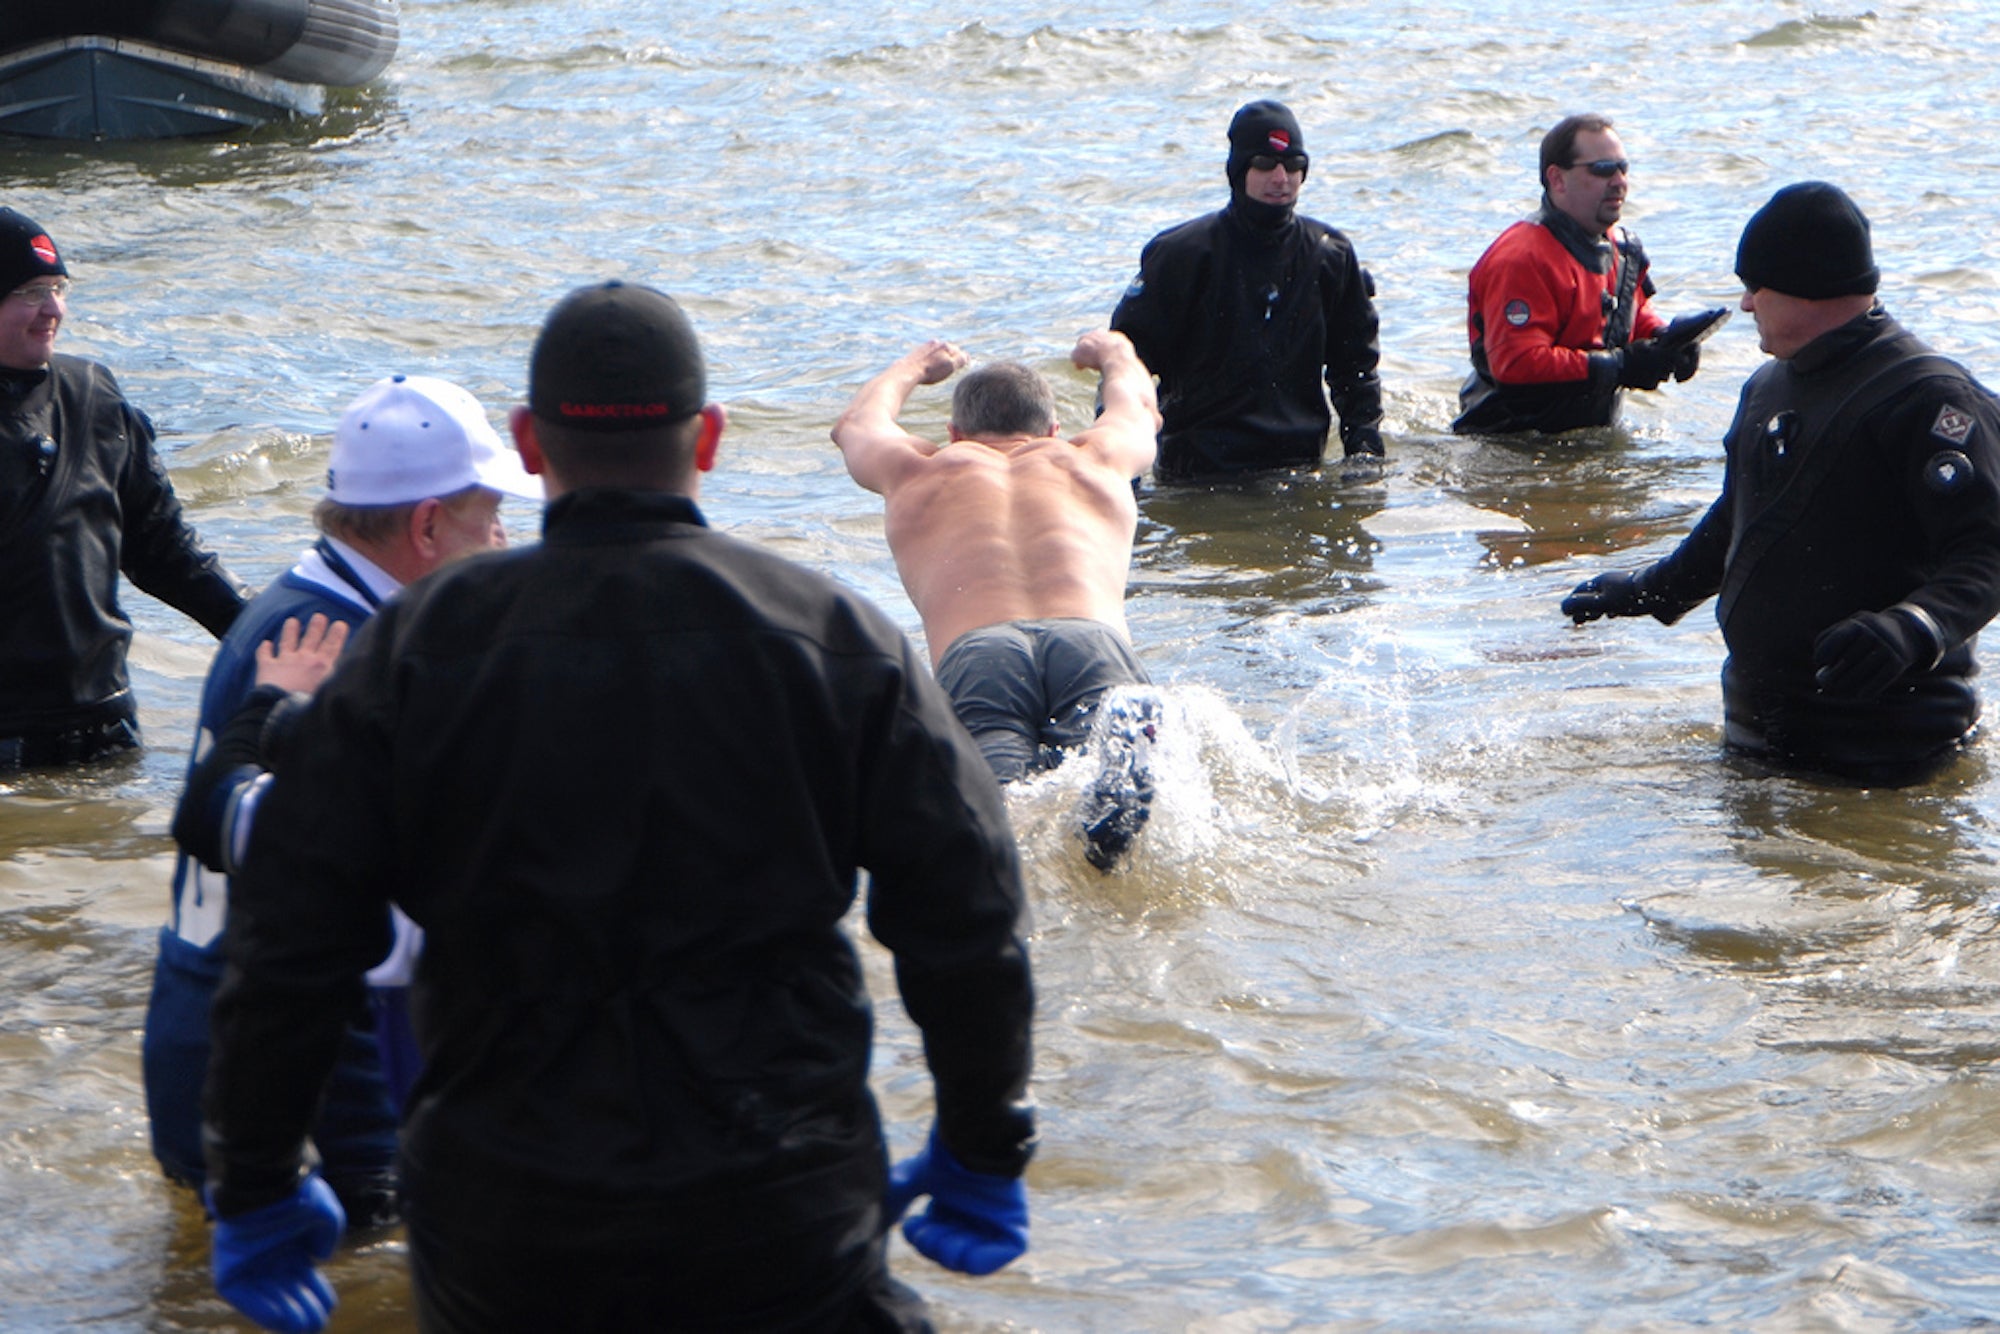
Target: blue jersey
[{"x": 357, "y": 1129}]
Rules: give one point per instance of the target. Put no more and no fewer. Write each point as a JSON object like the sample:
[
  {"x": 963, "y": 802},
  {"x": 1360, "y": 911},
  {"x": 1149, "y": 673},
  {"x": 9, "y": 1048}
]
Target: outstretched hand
[
  {"x": 299, "y": 660},
  {"x": 936, "y": 360},
  {"x": 1613, "y": 593}
]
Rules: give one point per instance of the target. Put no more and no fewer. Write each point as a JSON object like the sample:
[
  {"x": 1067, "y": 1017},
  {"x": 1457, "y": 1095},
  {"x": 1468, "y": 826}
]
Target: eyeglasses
[
  {"x": 37, "y": 294},
  {"x": 1607, "y": 167},
  {"x": 1294, "y": 163}
]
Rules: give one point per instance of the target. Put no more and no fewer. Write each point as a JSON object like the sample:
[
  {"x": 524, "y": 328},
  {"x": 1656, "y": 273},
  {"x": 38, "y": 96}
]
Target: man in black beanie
[
  {"x": 625, "y": 779},
  {"x": 1559, "y": 308},
  {"x": 1242, "y": 313},
  {"x": 82, "y": 495},
  {"x": 1856, "y": 543}
]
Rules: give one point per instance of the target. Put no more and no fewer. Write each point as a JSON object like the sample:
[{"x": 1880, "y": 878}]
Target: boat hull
[{"x": 113, "y": 88}]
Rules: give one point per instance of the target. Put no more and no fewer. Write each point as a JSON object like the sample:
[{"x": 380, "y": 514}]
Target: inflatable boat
[{"x": 157, "y": 69}]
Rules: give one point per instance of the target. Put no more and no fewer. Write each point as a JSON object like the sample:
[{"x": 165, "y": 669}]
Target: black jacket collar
[
  {"x": 1588, "y": 249},
  {"x": 1837, "y": 345},
  {"x": 1258, "y": 218},
  {"x": 615, "y": 514}
]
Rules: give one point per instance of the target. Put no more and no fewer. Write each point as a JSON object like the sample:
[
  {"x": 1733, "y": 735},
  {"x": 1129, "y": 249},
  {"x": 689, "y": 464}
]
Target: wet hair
[
  {"x": 1002, "y": 398},
  {"x": 1559, "y": 144},
  {"x": 643, "y": 458},
  {"x": 370, "y": 525}
]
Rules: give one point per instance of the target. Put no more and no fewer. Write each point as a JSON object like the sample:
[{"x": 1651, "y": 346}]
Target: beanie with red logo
[
  {"x": 1263, "y": 129},
  {"x": 26, "y": 252}
]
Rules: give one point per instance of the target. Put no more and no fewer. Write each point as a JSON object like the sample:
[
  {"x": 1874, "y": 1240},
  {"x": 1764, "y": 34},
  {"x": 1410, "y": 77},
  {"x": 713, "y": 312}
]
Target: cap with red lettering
[{"x": 616, "y": 357}]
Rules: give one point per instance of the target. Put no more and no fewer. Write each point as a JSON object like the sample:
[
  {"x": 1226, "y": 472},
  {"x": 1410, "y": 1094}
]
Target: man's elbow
[
  {"x": 846, "y": 433},
  {"x": 843, "y": 438}
]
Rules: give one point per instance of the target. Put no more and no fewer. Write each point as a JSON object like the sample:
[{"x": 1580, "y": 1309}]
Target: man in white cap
[{"x": 415, "y": 481}]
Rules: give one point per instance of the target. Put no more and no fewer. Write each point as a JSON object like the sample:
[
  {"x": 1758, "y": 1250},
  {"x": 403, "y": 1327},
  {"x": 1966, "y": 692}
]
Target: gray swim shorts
[{"x": 1026, "y": 690}]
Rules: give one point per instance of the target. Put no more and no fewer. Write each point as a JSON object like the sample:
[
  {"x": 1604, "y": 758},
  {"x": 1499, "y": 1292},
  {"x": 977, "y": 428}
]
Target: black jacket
[
  {"x": 1844, "y": 493},
  {"x": 83, "y": 495},
  {"x": 623, "y": 780},
  {"x": 1240, "y": 323}
]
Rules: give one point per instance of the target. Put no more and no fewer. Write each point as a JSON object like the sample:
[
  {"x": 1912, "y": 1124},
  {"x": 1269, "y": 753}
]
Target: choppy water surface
[{"x": 1459, "y": 981}]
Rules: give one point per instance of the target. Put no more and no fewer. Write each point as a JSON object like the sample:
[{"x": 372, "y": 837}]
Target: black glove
[
  {"x": 1647, "y": 363},
  {"x": 1613, "y": 593},
  {"x": 1862, "y": 656},
  {"x": 1687, "y": 363}
]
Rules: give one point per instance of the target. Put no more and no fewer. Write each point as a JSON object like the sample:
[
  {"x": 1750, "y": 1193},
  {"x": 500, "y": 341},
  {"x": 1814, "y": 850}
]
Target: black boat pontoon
[{"x": 156, "y": 69}]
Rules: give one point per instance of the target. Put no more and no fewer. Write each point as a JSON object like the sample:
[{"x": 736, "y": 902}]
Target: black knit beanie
[
  {"x": 1811, "y": 242},
  {"x": 26, "y": 252},
  {"x": 1261, "y": 127}
]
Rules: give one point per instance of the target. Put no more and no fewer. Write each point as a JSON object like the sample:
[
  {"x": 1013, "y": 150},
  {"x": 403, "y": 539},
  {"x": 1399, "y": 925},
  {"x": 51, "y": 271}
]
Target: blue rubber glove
[
  {"x": 976, "y": 1222},
  {"x": 264, "y": 1259}
]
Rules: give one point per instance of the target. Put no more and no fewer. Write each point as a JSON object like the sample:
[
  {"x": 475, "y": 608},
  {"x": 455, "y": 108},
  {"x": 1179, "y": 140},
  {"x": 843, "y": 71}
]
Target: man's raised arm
[
  {"x": 876, "y": 449},
  {"x": 1126, "y": 432}
]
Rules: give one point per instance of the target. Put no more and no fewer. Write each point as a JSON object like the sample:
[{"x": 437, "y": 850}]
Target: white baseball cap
[{"x": 411, "y": 437}]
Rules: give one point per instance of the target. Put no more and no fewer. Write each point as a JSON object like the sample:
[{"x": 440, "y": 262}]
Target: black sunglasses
[
  {"x": 1607, "y": 167},
  {"x": 1266, "y": 162}
]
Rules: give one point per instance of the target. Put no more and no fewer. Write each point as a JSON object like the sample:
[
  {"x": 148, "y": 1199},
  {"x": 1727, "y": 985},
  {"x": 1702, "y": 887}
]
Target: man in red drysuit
[{"x": 1560, "y": 314}]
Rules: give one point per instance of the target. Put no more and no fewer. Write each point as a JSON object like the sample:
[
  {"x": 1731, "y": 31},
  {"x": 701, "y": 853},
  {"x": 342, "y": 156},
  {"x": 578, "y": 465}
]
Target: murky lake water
[{"x": 1459, "y": 982}]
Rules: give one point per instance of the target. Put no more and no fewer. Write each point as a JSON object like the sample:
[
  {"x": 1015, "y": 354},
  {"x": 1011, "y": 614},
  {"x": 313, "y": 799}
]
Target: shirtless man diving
[{"x": 1014, "y": 544}]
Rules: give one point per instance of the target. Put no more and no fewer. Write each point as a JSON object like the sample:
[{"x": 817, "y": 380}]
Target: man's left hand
[
  {"x": 264, "y": 1260},
  {"x": 1687, "y": 363},
  {"x": 1645, "y": 364},
  {"x": 976, "y": 1222}
]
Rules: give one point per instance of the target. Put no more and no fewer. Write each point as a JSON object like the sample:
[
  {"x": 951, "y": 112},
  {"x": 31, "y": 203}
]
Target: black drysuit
[
  {"x": 624, "y": 780},
  {"x": 1863, "y": 472},
  {"x": 83, "y": 495},
  {"x": 1241, "y": 314}
]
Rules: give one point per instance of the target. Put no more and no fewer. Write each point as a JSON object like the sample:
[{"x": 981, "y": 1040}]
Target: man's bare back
[{"x": 1007, "y": 526}]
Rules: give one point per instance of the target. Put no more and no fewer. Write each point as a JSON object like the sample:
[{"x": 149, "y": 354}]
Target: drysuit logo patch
[
  {"x": 45, "y": 250},
  {"x": 1280, "y": 141},
  {"x": 1517, "y": 313},
  {"x": 1947, "y": 472},
  {"x": 1952, "y": 425}
]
